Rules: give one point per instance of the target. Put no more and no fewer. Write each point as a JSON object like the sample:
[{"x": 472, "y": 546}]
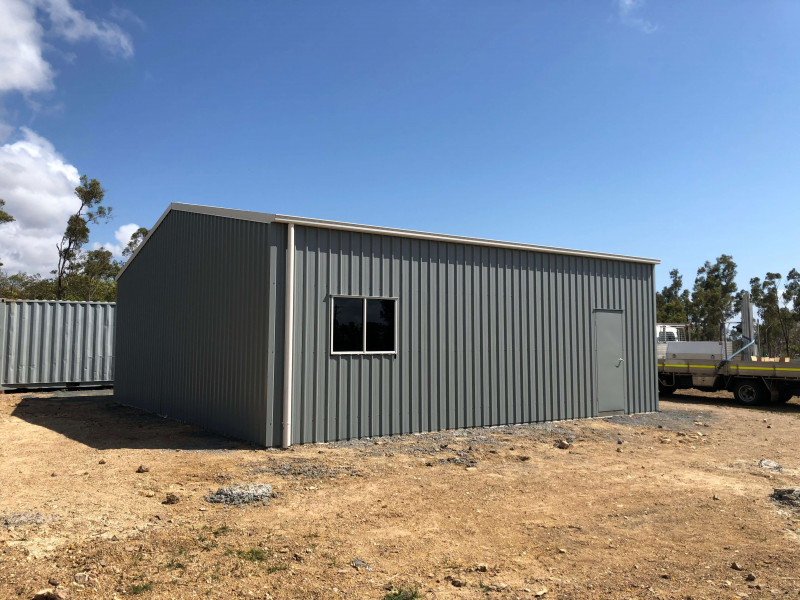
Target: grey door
[{"x": 609, "y": 360}]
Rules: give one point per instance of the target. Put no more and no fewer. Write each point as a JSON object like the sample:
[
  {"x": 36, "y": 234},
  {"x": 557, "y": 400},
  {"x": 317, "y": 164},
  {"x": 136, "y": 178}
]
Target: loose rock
[
  {"x": 249, "y": 493},
  {"x": 736, "y": 566},
  {"x": 359, "y": 564},
  {"x": 563, "y": 444},
  {"x": 770, "y": 465},
  {"x": 789, "y": 497},
  {"x": 143, "y": 469},
  {"x": 50, "y": 594},
  {"x": 171, "y": 499}
]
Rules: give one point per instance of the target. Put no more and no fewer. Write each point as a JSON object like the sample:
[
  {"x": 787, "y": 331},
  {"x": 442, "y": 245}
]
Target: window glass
[
  {"x": 348, "y": 324},
  {"x": 380, "y": 325}
]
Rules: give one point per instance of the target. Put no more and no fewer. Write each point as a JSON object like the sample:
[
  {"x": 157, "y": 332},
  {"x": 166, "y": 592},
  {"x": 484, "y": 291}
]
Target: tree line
[
  {"x": 715, "y": 300},
  {"x": 78, "y": 274}
]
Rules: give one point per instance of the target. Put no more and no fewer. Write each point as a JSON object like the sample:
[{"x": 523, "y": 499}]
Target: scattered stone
[
  {"x": 523, "y": 458},
  {"x": 458, "y": 582},
  {"x": 620, "y": 442},
  {"x": 85, "y": 578},
  {"x": 482, "y": 568},
  {"x": 750, "y": 577},
  {"x": 770, "y": 465},
  {"x": 562, "y": 551},
  {"x": 297, "y": 557},
  {"x": 171, "y": 499},
  {"x": 149, "y": 493},
  {"x": 23, "y": 518},
  {"x": 359, "y": 564},
  {"x": 681, "y": 434},
  {"x": 50, "y": 594},
  {"x": 248, "y": 493},
  {"x": 716, "y": 497},
  {"x": 736, "y": 566},
  {"x": 619, "y": 449},
  {"x": 541, "y": 592},
  {"x": 563, "y": 445},
  {"x": 790, "y": 496},
  {"x": 102, "y": 461},
  {"x": 143, "y": 469},
  {"x": 53, "y": 474},
  {"x": 52, "y": 581},
  {"x": 665, "y": 440}
]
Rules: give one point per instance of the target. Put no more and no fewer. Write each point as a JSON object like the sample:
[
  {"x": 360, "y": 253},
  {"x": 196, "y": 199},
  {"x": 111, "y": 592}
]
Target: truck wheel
[
  {"x": 785, "y": 395},
  {"x": 750, "y": 392},
  {"x": 667, "y": 390}
]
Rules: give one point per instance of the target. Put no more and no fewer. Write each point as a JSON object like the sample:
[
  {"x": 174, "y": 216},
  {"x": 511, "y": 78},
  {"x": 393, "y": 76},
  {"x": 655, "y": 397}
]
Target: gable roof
[{"x": 247, "y": 215}]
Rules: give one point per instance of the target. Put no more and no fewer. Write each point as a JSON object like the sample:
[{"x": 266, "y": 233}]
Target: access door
[{"x": 609, "y": 361}]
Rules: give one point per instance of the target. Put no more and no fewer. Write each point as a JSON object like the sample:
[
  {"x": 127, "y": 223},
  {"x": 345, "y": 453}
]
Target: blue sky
[{"x": 653, "y": 128}]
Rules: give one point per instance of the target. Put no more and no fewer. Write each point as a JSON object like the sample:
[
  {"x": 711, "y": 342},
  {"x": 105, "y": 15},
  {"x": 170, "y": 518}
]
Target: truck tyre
[
  {"x": 750, "y": 392},
  {"x": 785, "y": 395},
  {"x": 666, "y": 390}
]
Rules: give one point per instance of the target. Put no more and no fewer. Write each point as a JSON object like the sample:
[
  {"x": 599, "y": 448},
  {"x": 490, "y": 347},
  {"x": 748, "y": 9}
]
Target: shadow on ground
[
  {"x": 96, "y": 420},
  {"x": 716, "y": 399}
]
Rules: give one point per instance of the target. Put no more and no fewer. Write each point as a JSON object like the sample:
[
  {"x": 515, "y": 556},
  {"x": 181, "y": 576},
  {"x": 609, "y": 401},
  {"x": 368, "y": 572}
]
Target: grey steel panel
[
  {"x": 47, "y": 343},
  {"x": 199, "y": 329},
  {"x": 487, "y": 335}
]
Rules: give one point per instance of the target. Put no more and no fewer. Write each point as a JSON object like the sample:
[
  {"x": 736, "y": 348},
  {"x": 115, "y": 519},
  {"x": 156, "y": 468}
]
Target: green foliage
[
  {"x": 673, "y": 303},
  {"x": 22, "y": 286},
  {"x": 140, "y": 588},
  {"x": 136, "y": 238},
  {"x": 4, "y": 217},
  {"x": 713, "y": 298},
  {"x": 92, "y": 210},
  {"x": 402, "y": 594},
  {"x": 779, "y": 322},
  {"x": 253, "y": 555}
]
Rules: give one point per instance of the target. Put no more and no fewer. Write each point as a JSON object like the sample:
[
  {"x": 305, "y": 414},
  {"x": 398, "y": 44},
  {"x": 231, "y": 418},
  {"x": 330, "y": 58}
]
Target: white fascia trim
[
  {"x": 456, "y": 239},
  {"x": 248, "y": 215}
]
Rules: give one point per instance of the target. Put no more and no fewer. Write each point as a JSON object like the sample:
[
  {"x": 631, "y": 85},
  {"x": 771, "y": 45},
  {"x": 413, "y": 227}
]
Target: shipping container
[
  {"x": 47, "y": 343},
  {"x": 282, "y": 330}
]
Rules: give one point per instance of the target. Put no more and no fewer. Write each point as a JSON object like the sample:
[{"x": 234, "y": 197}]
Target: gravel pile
[{"x": 240, "y": 494}]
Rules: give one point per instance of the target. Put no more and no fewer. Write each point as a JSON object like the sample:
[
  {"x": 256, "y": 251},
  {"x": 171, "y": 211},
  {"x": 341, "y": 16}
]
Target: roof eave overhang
[{"x": 247, "y": 215}]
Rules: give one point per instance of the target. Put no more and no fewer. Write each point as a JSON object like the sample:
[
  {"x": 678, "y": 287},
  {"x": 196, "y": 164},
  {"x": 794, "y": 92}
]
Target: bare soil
[{"x": 666, "y": 505}]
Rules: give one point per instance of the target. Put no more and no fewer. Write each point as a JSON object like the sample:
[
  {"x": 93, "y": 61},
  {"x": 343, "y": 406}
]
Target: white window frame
[{"x": 364, "y": 333}]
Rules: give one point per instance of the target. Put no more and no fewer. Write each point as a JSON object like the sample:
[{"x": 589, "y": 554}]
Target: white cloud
[
  {"x": 22, "y": 64},
  {"x": 123, "y": 236},
  {"x": 74, "y": 26},
  {"x": 629, "y": 15},
  {"x": 38, "y": 187}
]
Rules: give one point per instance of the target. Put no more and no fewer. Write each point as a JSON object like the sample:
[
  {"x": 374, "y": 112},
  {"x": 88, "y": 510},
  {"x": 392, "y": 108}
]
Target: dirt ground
[{"x": 666, "y": 505}]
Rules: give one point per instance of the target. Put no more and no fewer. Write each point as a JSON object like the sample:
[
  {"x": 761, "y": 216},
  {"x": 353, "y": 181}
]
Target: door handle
[{"x": 621, "y": 360}]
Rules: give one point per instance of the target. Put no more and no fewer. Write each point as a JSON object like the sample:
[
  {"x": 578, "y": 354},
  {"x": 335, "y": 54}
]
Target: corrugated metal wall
[
  {"x": 200, "y": 317},
  {"x": 47, "y": 343},
  {"x": 488, "y": 336}
]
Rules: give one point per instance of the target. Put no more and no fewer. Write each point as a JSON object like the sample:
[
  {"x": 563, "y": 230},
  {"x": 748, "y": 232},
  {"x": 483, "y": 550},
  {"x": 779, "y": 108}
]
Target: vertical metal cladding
[
  {"x": 49, "y": 344},
  {"x": 200, "y": 325},
  {"x": 487, "y": 336}
]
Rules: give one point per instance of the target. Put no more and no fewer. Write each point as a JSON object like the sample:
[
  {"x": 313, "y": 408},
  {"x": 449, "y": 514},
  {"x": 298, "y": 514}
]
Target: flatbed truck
[{"x": 707, "y": 366}]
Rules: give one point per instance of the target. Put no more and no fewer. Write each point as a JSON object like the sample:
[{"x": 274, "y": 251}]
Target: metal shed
[
  {"x": 377, "y": 330},
  {"x": 49, "y": 343}
]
